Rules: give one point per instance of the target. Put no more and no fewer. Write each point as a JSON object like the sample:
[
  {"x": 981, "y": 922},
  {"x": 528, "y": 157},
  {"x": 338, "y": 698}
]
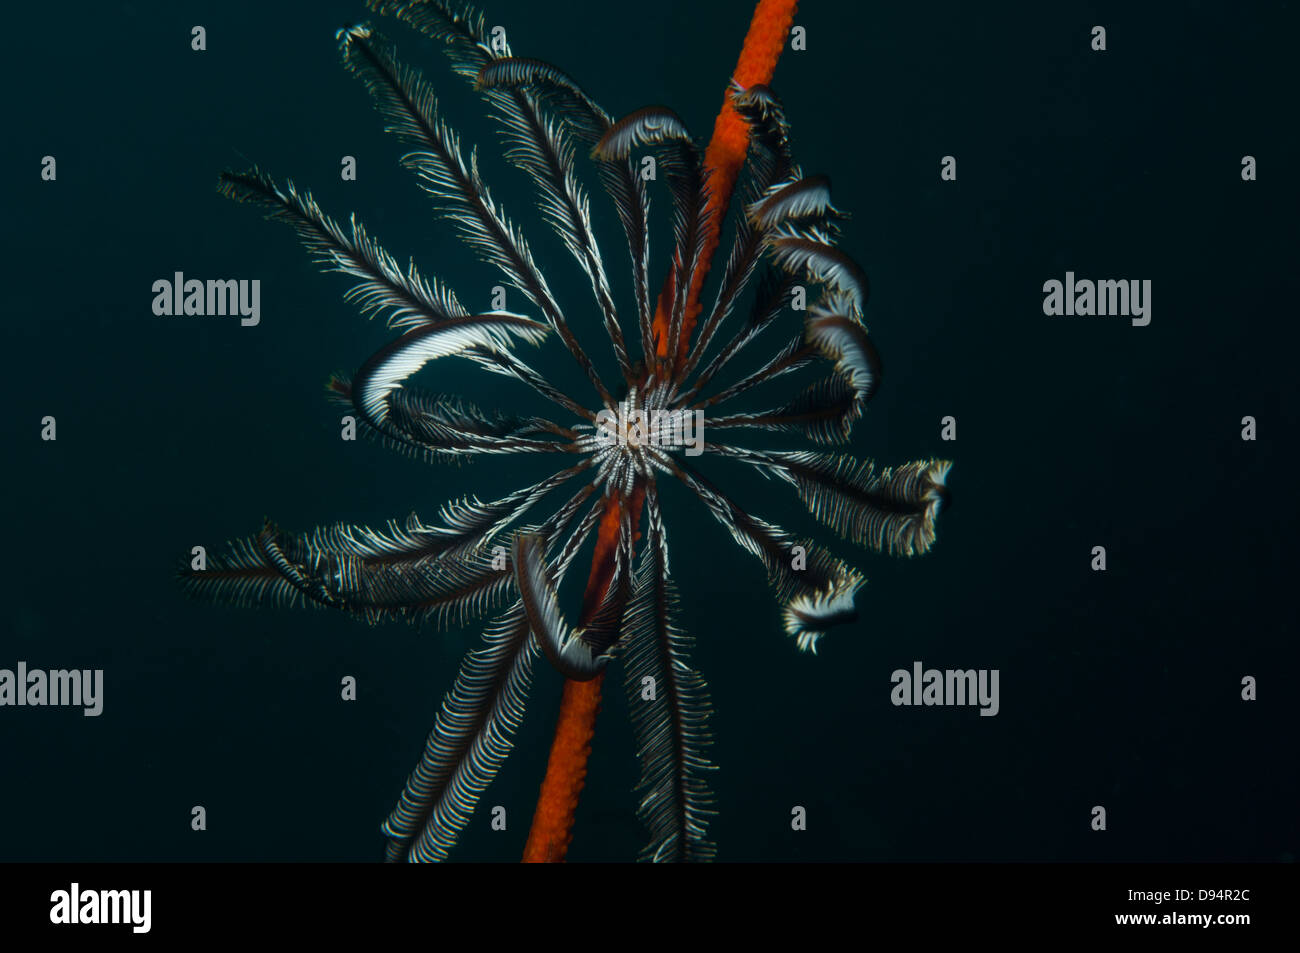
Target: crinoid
[{"x": 479, "y": 557}]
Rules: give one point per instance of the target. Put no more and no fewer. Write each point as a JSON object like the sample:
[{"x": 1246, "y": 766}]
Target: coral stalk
[{"x": 566, "y": 770}]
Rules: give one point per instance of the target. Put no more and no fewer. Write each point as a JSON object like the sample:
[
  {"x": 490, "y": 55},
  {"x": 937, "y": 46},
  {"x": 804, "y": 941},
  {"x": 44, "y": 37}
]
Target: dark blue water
[{"x": 1119, "y": 689}]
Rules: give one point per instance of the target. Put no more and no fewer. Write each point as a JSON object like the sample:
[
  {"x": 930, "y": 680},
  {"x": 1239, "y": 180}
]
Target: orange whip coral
[{"x": 552, "y": 829}]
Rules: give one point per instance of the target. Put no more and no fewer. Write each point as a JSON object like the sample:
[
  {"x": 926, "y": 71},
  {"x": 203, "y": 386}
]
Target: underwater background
[{"x": 1118, "y": 688}]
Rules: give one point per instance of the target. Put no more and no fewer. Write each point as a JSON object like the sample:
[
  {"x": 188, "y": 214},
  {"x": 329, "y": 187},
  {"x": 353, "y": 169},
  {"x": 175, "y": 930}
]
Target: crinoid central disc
[{"x": 640, "y": 434}]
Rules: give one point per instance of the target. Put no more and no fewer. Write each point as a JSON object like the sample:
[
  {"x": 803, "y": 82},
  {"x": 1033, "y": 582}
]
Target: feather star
[{"x": 480, "y": 557}]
